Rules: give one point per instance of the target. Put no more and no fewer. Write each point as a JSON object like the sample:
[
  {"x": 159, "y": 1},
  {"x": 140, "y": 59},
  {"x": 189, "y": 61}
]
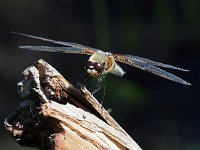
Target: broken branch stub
[{"x": 56, "y": 115}]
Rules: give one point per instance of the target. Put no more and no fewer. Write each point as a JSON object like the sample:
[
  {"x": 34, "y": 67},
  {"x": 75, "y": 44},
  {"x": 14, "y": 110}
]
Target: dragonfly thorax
[{"x": 101, "y": 63}]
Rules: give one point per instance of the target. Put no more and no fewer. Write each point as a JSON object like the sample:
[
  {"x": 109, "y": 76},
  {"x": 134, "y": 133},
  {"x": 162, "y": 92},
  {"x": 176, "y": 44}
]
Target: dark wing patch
[{"x": 150, "y": 66}]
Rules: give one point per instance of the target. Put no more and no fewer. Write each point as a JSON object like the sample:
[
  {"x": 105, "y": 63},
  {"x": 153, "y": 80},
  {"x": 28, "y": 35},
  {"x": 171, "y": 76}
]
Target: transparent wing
[
  {"x": 140, "y": 59},
  {"x": 75, "y": 45},
  {"x": 72, "y": 50},
  {"x": 150, "y": 66}
]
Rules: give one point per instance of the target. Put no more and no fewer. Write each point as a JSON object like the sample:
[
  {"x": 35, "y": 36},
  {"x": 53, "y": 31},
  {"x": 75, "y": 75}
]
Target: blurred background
[{"x": 158, "y": 114}]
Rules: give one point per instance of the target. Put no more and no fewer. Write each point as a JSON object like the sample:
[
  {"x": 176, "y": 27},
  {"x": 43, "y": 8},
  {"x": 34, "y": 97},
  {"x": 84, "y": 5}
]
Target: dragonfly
[{"x": 101, "y": 63}]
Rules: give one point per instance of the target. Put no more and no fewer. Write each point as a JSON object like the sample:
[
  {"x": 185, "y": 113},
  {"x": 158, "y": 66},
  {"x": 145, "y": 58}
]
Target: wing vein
[
  {"x": 150, "y": 66},
  {"x": 75, "y": 45}
]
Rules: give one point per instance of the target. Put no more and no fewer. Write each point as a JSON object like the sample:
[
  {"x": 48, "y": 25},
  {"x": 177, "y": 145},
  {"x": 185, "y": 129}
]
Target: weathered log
[{"x": 56, "y": 115}]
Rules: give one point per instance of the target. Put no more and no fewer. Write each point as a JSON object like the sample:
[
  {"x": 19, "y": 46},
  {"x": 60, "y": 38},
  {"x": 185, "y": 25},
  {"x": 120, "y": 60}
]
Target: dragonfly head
[{"x": 94, "y": 69}]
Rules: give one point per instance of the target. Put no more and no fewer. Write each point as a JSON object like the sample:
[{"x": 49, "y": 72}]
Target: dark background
[{"x": 157, "y": 113}]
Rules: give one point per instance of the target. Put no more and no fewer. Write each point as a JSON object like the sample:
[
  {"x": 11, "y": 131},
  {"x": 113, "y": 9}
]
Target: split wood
[{"x": 55, "y": 115}]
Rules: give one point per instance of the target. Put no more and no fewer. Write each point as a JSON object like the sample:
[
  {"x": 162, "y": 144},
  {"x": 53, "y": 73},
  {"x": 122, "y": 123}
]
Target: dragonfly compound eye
[
  {"x": 89, "y": 65},
  {"x": 98, "y": 66}
]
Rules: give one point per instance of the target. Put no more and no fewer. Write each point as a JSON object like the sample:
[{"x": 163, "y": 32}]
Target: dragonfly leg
[
  {"x": 85, "y": 81},
  {"x": 100, "y": 84}
]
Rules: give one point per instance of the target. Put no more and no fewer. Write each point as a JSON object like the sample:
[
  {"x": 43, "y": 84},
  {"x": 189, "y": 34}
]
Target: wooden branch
[{"x": 58, "y": 116}]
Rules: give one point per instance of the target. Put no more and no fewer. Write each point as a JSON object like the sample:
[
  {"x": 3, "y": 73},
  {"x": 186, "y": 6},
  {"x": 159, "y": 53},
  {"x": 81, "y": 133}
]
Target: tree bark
[{"x": 55, "y": 115}]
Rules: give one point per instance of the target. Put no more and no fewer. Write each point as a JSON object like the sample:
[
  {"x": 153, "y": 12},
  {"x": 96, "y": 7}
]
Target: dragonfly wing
[
  {"x": 140, "y": 59},
  {"x": 75, "y": 45},
  {"x": 72, "y": 50},
  {"x": 130, "y": 60}
]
